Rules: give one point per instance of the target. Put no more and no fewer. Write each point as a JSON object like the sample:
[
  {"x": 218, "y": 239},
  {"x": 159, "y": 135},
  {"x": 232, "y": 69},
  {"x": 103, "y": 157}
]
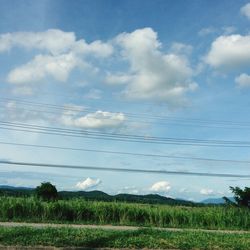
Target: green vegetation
[
  {"x": 24, "y": 236},
  {"x": 45, "y": 204},
  {"x": 241, "y": 196},
  {"x": 16, "y": 191},
  {"x": 46, "y": 191},
  {"x": 90, "y": 212}
]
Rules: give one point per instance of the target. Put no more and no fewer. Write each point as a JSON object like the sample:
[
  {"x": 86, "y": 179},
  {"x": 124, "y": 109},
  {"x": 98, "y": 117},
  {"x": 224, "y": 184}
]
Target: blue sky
[{"x": 119, "y": 67}]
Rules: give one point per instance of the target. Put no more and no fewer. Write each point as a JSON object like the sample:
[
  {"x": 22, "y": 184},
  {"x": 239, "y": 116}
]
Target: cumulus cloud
[
  {"x": 245, "y": 10},
  {"x": 229, "y": 52},
  {"x": 62, "y": 52},
  {"x": 53, "y": 40},
  {"x": 119, "y": 78},
  {"x": 96, "y": 48},
  {"x": 181, "y": 48},
  {"x": 161, "y": 187},
  {"x": 243, "y": 80},
  {"x": 96, "y": 120},
  {"x": 58, "y": 67},
  {"x": 88, "y": 183},
  {"x": 152, "y": 74}
]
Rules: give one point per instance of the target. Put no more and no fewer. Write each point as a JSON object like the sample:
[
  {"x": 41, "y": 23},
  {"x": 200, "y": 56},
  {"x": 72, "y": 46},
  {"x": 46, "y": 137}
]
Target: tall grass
[{"x": 80, "y": 211}]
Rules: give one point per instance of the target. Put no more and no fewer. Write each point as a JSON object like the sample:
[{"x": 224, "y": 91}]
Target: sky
[{"x": 125, "y": 82}]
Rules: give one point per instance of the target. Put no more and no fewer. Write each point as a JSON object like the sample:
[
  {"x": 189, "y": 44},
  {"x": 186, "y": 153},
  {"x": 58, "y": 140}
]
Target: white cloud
[
  {"x": 245, "y": 10},
  {"x": 181, "y": 48},
  {"x": 207, "y": 191},
  {"x": 226, "y": 30},
  {"x": 5, "y": 43},
  {"x": 243, "y": 81},
  {"x": 229, "y": 52},
  {"x": 42, "y": 66},
  {"x": 153, "y": 74},
  {"x": 61, "y": 54},
  {"x": 161, "y": 187},
  {"x": 53, "y": 40},
  {"x": 119, "y": 78},
  {"x": 88, "y": 183},
  {"x": 96, "y": 120},
  {"x": 96, "y": 48}
]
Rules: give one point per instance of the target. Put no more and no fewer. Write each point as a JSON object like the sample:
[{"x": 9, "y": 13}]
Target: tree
[
  {"x": 241, "y": 196},
  {"x": 46, "y": 191}
]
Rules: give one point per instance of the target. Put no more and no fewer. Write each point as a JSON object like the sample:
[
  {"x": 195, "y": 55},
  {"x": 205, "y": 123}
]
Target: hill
[
  {"x": 216, "y": 200},
  {"x": 15, "y": 191},
  {"x": 99, "y": 196}
]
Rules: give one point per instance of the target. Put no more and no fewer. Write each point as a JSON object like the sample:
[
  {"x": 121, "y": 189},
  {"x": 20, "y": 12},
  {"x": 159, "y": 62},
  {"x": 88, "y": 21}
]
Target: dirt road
[{"x": 111, "y": 227}]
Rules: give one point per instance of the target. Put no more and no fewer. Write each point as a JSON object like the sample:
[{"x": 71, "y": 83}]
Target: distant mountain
[
  {"x": 88, "y": 195},
  {"x": 151, "y": 199},
  {"x": 15, "y": 191},
  {"x": 216, "y": 200},
  {"x": 14, "y": 188},
  {"x": 101, "y": 196},
  {"x": 98, "y": 196}
]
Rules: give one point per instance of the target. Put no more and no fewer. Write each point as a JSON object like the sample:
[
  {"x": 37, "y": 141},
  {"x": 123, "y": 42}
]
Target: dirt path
[{"x": 111, "y": 227}]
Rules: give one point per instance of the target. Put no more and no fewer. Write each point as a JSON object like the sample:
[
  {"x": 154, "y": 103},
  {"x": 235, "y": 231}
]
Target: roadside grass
[
  {"x": 145, "y": 238},
  {"x": 117, "y": 213}
]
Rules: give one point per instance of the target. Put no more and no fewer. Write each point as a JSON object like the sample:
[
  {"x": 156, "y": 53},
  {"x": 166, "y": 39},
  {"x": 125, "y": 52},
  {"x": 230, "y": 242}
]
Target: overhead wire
[
  {"x": 128, "y": 114},
  {"x": 90, "y": 134},
  {"x": 128, "y": 121},
  {"x": 128, "y": 170},
  {"x": 178, "y": 157},
  {"x": 124, "y": 138},
  {"x": 119, "y": 136}
]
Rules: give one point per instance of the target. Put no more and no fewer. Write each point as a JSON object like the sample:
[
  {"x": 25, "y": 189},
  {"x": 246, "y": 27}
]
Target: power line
[
  {"x": 125, "y": 153},
  {"x": 103, "y": 118},
  {"x": 149, "y": 171},
  {"x": 169, "y": 122},
  {"x": 135, "y": 115},
  {"x": 122, "y": 135},
  {"x": 118, "y": 136}
]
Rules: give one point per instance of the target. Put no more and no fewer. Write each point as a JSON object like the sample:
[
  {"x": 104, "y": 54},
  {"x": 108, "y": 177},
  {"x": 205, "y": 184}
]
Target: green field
[
  {"x": 117, "y": 213},
  {"x": 24, "y": 236}
]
